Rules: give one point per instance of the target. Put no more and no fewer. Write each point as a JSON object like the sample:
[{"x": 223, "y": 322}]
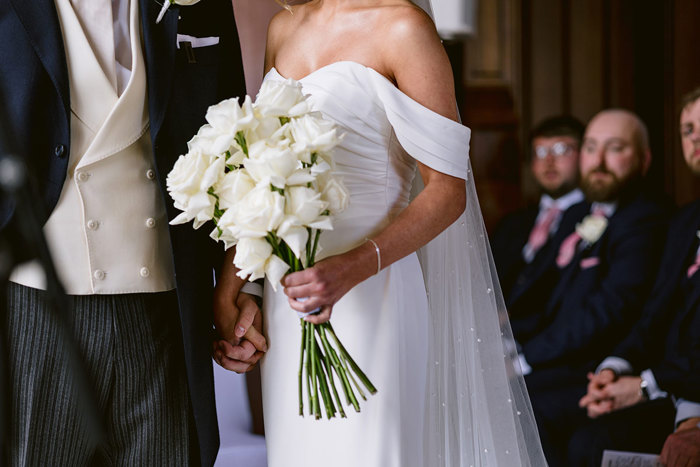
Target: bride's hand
[{"x": 322, "y": 285}]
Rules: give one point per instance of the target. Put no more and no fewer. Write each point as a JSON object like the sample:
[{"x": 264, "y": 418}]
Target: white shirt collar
[
  {"x": 607, "y": 208},
  {"x": 563, "y": 202}
]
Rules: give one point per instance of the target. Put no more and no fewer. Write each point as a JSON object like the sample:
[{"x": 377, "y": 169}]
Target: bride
[{"x": 410, "y": 284}]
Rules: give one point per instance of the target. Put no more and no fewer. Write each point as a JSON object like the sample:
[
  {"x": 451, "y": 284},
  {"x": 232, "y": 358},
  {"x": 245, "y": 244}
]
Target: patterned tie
[
  {"x": 695, "y": 266},
  {"x": 570, "y": 243},
  {"x": 540, "y": 233}
]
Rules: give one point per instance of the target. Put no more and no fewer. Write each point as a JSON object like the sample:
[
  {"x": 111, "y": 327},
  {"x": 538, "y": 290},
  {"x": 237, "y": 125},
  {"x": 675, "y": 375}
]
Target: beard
[
  {"x": 694, "y": 165},
  {"x": 602, "y": 190}
]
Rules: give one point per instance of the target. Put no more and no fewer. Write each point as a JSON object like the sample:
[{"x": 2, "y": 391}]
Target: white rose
[
  {"x": 254, "y": 258},
  {"x": 281, "y": 99},
  {"x": 335, "y": 194},
  {"x": 233, "y": 187},
  {"x": 236, "y": 159},
  {"x": 304, "y": 204},
  {"x": 273, "y": 163},
  {"x": 591, "y": 228},
  {"x": 301, "y": 177},
  {"x": 188, "y": 183},
  {"x": 269, "y": 129},
  {"x": 257, "y": 213},
  {"x": 210, "y": 141},
  {"x": 295, "y": 236},
  {"x": 229, "y": 117},
  {"x": 313, "y": 134},
  {"x": 225, "y": 120},
  {"x": 220, "y": 234},
  {"x": 185, "y": 2}
]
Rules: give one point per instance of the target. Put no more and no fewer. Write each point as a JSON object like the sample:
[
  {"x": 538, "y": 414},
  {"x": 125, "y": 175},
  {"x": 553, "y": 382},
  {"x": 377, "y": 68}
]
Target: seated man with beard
[
  {"x": 649, "y": 382},
  {"x": 607, "y": 265},
  {"x": 527, "y": 241}
]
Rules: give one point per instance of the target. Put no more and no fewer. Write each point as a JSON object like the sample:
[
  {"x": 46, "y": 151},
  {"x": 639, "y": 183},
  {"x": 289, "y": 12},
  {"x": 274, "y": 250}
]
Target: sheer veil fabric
[{"x": 478, "y": 412}]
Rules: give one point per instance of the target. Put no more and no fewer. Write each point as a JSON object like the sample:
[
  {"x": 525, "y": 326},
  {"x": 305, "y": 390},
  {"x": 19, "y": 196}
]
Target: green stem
[
  {"x": 330, "y": 364},
  {"x": 342, "y": 373},
  {"x": 360, "y": 374},
  {"x": 314, "y": 381},
  {"x": 352, "y": 377},
  {"x": 308, "y": 367},
  {"x": 323, "y": 383},
  {"x": 313, "y": 255},
  {"x": 301, "y": 368}
]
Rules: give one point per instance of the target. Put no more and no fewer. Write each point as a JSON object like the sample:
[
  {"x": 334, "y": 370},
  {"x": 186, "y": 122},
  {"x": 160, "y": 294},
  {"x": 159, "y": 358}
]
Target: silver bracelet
[{"x": 379, "y": 254}]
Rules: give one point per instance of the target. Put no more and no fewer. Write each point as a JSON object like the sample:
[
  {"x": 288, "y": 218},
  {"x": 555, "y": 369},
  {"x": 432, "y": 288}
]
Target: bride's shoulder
[
  {"x": 414, "y": 56},
  {"x": 404, "y": 14},
  {"x": 401, "y": 19},
  {"x": 279, "y": 29}
]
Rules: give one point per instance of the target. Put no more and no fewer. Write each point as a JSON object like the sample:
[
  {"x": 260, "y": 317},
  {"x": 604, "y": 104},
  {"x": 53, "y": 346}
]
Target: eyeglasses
[{"x": 556, "y": 150}]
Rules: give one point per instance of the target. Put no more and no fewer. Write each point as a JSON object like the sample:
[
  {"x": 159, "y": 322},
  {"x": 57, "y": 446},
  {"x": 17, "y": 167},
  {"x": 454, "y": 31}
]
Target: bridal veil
[{"x": 478, "y": 412}]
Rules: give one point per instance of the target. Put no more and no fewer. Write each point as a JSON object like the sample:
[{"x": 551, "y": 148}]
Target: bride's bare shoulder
[
  {"x": 416, "y": 59},
  {"x": 401, "y": 18},
  {"x": 281, "y": 26}
]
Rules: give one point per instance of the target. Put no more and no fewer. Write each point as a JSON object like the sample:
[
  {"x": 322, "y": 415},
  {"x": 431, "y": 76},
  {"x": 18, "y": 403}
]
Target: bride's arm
[{"x": 427, "y": 78}]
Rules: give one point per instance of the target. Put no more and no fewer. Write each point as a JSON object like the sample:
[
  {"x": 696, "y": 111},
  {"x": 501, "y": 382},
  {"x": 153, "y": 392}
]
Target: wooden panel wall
[{"x": 536, "y": 58}]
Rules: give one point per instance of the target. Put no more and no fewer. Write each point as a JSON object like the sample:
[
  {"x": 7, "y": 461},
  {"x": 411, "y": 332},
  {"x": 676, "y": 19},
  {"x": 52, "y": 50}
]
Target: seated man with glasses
[{"x": 526, "y": 241}]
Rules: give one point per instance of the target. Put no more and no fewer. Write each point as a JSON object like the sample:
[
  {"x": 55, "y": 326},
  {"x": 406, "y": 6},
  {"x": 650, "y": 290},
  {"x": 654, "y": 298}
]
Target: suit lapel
[
  {"x": 159, "y": 43},
  {"x": 687, "y": 248},
  {"x": 685, "y": 243},
  {"x": 572, "y": 269},
  {"x": 546, "y": 258},
  {"x": 40, "y": 21}
]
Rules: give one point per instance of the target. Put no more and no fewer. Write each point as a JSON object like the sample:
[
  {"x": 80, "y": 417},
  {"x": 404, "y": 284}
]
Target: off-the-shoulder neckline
[
  {"x": 369, "y": 70},
  {"x": 331, "y": 65}
]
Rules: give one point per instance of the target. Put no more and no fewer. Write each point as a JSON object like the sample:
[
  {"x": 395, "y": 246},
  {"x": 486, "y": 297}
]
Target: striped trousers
[{"x": 131, "y": 347}]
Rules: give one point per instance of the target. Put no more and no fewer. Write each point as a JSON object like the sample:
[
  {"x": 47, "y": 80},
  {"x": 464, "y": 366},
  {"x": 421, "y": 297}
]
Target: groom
[{"x": 101, "y": 100}]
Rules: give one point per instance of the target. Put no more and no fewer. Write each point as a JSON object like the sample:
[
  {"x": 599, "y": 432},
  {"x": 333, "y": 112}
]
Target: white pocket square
[{"x": 196, "y": 42}]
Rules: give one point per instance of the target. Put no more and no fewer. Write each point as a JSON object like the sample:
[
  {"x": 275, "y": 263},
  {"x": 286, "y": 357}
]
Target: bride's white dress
[{"x": 384, "y": 322}]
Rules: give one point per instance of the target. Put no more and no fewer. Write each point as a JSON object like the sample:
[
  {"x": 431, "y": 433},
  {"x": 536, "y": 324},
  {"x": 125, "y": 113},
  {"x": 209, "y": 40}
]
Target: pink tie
[
  {"x": 568, "y": 246},
  {"x": 540, "y": 233},
  {"x": 695, "y": 266},
  {"x": 568, "y": 249}
]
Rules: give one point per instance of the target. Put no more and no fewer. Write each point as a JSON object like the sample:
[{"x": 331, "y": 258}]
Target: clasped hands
[
  {"x": 608, "y": 392},
  {"x": 238, "y": 322}
]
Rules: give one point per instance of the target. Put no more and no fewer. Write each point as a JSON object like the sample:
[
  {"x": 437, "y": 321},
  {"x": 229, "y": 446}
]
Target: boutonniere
[
  {"x": 167, "y": 3},
  {"x": 591, "y": 228}
]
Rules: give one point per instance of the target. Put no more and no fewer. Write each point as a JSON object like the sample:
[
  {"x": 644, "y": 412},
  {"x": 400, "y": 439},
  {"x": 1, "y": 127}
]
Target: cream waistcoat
[{"x": 108, "y": 233}]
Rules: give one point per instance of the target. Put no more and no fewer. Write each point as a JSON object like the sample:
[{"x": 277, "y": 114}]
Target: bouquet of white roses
[{"x": 262, "y": 172}]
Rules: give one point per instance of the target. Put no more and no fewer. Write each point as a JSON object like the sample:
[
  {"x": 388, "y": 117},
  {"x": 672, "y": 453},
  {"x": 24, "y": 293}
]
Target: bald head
[
  {"x": 629, "y": 123},
  {"x": 615, "y": 153}
]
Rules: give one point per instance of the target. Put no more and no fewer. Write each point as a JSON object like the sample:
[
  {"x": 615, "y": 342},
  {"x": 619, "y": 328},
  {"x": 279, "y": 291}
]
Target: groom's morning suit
[
  {"x": 594, "y": 304},
  {"x": 100, "y": 154},
  {"x": 664, "y": 347}
]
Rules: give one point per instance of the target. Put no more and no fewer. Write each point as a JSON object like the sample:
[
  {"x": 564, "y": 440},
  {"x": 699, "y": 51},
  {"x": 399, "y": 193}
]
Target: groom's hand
[{"x": 238, "y": 323}]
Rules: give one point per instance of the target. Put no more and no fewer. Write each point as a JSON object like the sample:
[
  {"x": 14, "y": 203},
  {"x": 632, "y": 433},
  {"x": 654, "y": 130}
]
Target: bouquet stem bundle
[{"x": 320, "y": 356}]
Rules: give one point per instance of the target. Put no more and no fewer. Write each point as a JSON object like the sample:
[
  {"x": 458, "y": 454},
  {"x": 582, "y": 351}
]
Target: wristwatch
[{"x": 644, "y": 389}]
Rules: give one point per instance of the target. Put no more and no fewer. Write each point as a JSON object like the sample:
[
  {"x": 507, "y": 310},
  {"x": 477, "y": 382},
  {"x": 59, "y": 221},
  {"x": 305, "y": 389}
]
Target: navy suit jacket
[
  {"x": 34, "y": 92},
  {"x": 527, "y": 286},
  {"x": 667, "y": 338},
  {"x": 507, "y": 245},
  {"x": 601, "y": 291}
]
